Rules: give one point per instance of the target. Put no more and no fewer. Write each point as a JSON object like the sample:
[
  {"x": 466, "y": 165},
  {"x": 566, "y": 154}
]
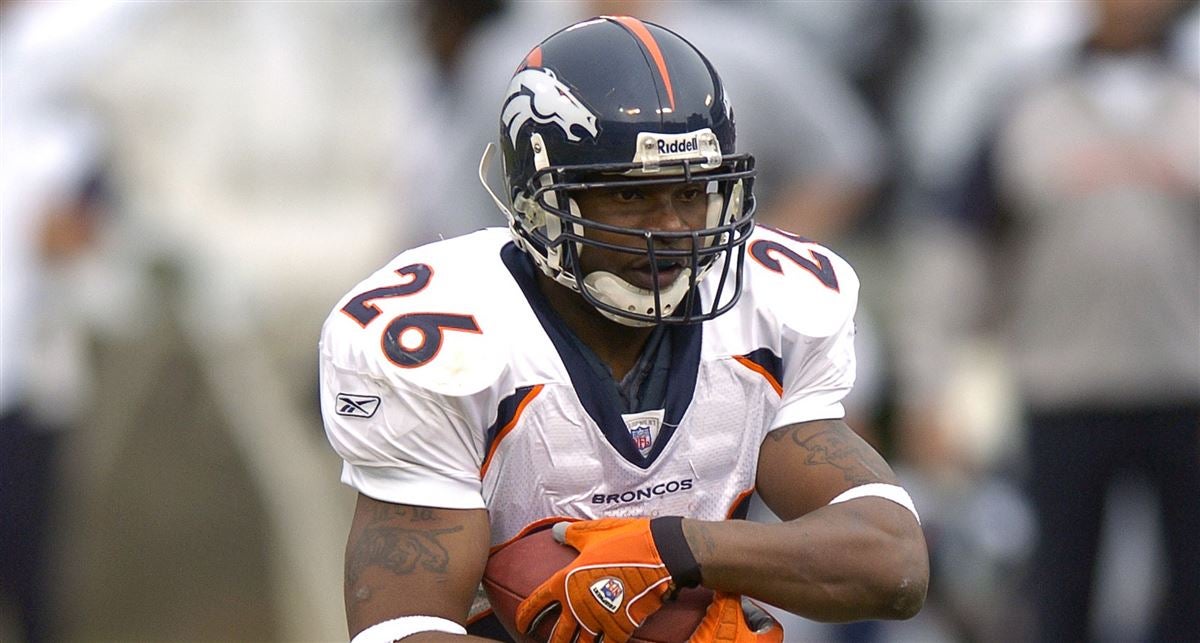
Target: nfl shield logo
[
  {"x": 608, "y": 592},
  {"x": 642, "y": 438},
  {"x": 643, "y": 429}
]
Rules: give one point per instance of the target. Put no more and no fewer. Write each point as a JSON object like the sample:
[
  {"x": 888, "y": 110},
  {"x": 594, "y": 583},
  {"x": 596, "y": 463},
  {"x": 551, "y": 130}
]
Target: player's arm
[
  {"x": 861, "y": 559},
  {"x": 407, "y": 561}
]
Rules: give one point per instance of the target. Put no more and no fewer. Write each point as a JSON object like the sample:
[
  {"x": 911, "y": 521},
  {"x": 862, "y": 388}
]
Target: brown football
[{"x": 513, "y": 573}]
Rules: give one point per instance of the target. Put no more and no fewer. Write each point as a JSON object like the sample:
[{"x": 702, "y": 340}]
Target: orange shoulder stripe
[
  {"x": 761, "y": 371},
  {"x": 487, "y": 461}
]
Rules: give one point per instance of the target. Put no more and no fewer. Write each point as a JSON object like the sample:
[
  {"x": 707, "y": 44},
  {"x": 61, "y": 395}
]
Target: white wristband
[
  {"x": 398, "y": 628},
  {"x": 880, "y": 490}
]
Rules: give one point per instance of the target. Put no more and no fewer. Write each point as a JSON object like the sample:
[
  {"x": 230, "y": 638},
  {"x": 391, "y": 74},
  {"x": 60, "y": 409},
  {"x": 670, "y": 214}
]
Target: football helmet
[{"x": 617, "y": 102}]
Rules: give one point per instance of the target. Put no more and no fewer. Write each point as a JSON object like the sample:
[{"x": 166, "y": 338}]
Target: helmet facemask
[{"x": 557, "y": 236}]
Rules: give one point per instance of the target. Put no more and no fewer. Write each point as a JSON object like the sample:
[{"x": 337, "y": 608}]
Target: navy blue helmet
[{"x": 615, "y": 101}]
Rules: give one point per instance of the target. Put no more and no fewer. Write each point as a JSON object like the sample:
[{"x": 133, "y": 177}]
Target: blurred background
[{"x": 188, "y": 187}]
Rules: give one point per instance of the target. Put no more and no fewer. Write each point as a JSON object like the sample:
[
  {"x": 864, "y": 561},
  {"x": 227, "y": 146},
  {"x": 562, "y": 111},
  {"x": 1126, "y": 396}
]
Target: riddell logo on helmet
[
  {"x": 661, "y": 489},
  {"x": 678, "y": 147}
]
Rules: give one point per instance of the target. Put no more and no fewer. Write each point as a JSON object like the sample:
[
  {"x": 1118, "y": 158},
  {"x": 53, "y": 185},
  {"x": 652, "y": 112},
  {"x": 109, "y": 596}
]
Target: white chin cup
[{"x": 613, "y": 291}]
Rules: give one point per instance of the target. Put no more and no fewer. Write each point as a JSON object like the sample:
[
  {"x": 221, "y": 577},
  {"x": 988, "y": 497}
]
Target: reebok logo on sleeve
[{"x": 357, "y": 406}]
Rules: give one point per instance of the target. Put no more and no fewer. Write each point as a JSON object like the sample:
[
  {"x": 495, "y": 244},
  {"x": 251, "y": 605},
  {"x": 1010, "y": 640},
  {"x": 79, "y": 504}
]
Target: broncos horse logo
[{"x": 535, "y": 94}]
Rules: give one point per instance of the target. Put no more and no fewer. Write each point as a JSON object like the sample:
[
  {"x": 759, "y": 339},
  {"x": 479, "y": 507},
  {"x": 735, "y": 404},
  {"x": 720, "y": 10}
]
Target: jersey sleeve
[
  {"x": 815, "y": 389},
  {"x": 818, "y": 348},
  {"x": 399, "y": 441}
]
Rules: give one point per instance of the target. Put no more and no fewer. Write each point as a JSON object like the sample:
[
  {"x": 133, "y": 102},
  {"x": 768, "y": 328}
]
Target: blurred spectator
[
  {"x": 964, "y": 65},
  {"x": 1080, "y": 247},
  {"x": 1101, "y": 170},
  {"x": 49, "y": 205},
  {"x": 445, "y": 148},
  {"x": 446, "y": 28}
]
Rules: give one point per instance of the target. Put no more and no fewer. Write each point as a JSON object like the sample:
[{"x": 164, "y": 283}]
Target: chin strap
[{"x": 613, "y": 291}]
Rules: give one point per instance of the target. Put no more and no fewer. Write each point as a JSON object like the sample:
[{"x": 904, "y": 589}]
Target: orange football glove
[
  {"x": 618, "y": 579},
  {"x": 726, "y": 622}
]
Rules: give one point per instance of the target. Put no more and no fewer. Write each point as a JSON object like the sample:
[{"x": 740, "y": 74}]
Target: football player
[{"x": 632, "y": 356}]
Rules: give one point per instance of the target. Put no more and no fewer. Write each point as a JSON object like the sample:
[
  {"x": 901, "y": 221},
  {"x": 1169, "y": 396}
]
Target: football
[{"x": 513, "y": 573}]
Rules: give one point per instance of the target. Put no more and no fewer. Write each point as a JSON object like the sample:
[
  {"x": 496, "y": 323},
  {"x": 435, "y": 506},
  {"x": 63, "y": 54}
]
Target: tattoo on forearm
[
  {"x": 396, "y": 548},
  {"x": 829, "y": 446}
]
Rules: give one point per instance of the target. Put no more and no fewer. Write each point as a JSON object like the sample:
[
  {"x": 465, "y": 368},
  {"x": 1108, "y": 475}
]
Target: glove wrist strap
[{"x": 674, "y": 551}]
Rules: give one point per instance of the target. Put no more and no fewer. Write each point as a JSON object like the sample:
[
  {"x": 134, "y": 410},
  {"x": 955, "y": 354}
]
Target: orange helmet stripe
[
  {"x": 534, "y": 59},
  {"x": 638, "y": 28}
]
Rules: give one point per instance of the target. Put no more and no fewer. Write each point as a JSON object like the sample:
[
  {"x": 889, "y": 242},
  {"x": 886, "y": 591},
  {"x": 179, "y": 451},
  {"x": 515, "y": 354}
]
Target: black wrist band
[{"x": 673, "y": 548}]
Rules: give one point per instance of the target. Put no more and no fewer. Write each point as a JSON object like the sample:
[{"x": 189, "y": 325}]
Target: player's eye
[
  {"x": 690, "y": 193},
  {"x": 626, "y": 195}
]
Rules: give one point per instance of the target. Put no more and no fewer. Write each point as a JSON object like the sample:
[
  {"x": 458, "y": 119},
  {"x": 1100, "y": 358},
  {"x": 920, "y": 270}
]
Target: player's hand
[
  {"x": 726, "y": 622},
  {"x": 618, "y": 579}
]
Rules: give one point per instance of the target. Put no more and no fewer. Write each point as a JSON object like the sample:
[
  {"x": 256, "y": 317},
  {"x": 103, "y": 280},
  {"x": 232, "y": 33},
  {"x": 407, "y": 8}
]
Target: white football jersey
[{"x": 447, "y": 381}]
